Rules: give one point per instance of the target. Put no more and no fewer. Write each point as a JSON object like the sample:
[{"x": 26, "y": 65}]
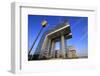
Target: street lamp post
[{"x": 44, "y": 23}]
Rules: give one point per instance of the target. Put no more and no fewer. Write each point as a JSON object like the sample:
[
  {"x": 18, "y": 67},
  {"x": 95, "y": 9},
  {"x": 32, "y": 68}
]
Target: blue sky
[{"x": 79, "y": 29}]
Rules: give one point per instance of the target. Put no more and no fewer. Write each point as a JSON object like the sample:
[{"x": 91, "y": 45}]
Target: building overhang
[{"x": 65, "y": 30}]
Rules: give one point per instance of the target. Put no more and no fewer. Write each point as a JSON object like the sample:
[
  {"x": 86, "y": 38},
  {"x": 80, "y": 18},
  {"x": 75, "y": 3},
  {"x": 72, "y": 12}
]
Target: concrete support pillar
[
  {"x": 63, "y": 46},
  {"x": 49, "y": 47},
  {"x": 43, "y": 49},
  {"x": 49, "y": 44},
  {"x": 45, "y": 43},
  {"x": 66, "y": 48},
  {"x": 52, "y": 49}
]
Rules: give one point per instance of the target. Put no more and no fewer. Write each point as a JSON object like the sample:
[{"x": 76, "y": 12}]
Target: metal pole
[{"x": 35, "y": 41}]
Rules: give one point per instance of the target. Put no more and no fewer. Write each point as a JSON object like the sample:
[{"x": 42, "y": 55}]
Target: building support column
[
  {"x": 52, "y": 49},
  {"x": 43, "y": 49},
  {"x": 63, "y": 46},
  {"x": 49, "y": 47},
  {"x": 66, "y": 48}
]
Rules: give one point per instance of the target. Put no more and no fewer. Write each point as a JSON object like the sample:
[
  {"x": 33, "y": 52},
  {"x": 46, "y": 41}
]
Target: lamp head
[{"x": 44, "y": 23}]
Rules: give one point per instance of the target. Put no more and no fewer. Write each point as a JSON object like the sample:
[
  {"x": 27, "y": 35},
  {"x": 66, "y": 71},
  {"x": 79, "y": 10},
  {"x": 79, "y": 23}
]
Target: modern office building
[
  {"x": 71, "y": 53},
  {"x": 46, "y": 47}
]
